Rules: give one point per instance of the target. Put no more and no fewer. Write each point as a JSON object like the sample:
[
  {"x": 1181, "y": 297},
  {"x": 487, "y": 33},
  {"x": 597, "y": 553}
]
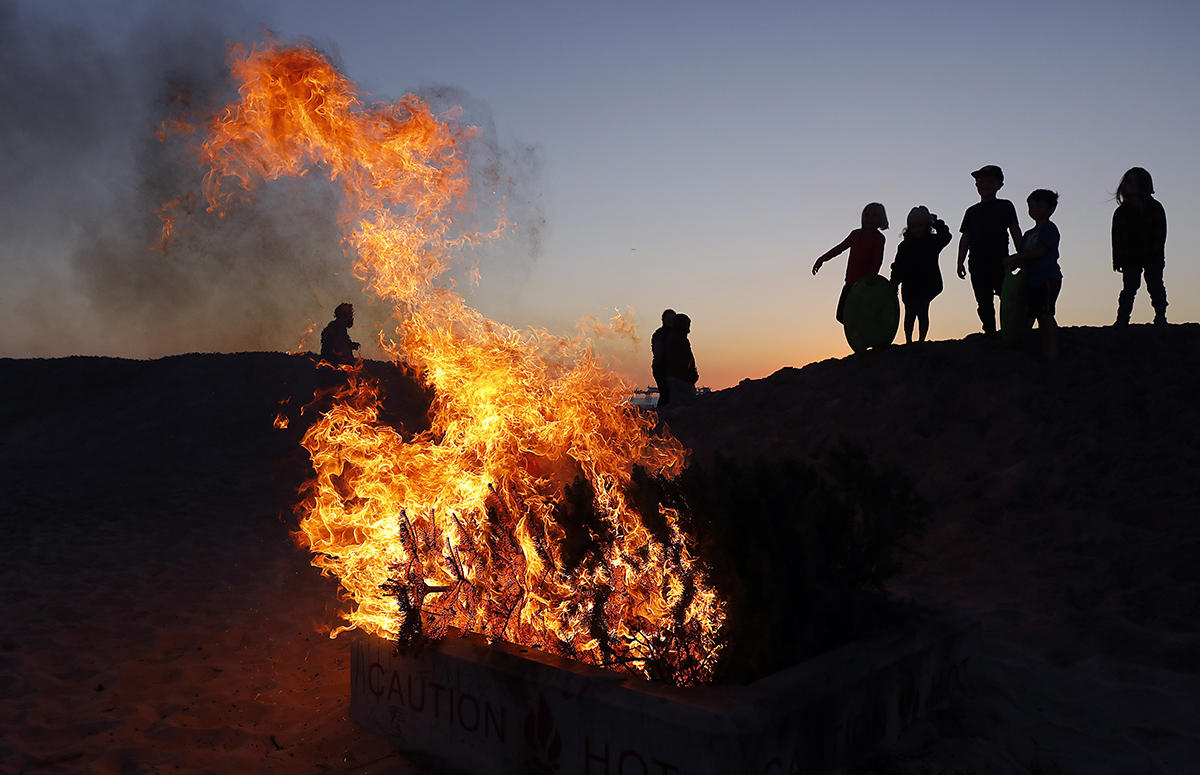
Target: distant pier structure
[{"x": 647, "y": 398}]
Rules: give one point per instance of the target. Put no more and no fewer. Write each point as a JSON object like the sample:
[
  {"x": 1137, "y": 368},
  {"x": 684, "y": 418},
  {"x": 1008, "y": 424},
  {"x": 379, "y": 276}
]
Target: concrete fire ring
[{"x": 506, "y": 710}]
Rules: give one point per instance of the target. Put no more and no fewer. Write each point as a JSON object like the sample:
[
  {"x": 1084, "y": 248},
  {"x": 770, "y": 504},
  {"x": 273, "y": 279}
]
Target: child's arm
[
  {"x": 1021, "y": 256},
  {"x": 1159, "y": 233},
  {"x": 877, "y": 258},
  {"x": 1015, "y": 231},
  {"x": 1118, "y": 240},
  {"x": 896, "y": 275},
  {"x": 835, "y": 250},
  {"x": 1014, "y": 227},
  {"x": 962, "y": 256},
  {"x": 941, "y": 233}
]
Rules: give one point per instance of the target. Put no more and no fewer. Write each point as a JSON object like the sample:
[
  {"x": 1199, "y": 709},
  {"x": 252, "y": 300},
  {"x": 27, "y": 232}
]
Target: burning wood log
[{"x": 439, "y": 529}]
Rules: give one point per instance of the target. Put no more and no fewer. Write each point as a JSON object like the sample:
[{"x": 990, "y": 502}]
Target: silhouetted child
[
  {"x": 916, "y": 270},
  {"x": 1139, "y": 240},
  {"x": 336, "y": 347},
  {"x": 985, "y": 229},
  {"x": 866, "y": 251},
  {"x": 658, "y": 356},
  {"x": 1041, "y": 276}
]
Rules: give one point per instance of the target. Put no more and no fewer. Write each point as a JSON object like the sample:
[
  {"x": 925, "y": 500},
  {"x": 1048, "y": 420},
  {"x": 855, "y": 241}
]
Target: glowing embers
[{"x": 462, "y": 525}]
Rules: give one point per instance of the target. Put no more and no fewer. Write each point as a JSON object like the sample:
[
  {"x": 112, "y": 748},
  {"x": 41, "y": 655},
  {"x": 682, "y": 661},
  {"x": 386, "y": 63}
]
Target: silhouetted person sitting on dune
[
  {"x": 658, "y": 346},
  {"x": 336, "y": 346},
  {"x": 1139, "y": 240},
  {"x": 678, "y": 363}
]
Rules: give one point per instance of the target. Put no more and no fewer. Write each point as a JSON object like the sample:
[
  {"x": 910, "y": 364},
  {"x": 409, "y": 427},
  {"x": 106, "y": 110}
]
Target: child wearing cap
[
  {"x": 1041, "y": 276},
  {"x": 915, "y": 270},
  {"x": 866, "y": 251},
  {"x": 985, "y": 229}
]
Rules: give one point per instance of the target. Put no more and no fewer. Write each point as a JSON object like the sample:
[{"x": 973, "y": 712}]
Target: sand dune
[
  {"x": 1066, "y": 517},
  {"x": 157, "y": 616}
]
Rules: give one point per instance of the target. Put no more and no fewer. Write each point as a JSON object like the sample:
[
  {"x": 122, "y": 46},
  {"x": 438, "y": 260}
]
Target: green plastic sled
[
  {"x": 871, "y": 315},
  {"x": 1014, "y": 321}
]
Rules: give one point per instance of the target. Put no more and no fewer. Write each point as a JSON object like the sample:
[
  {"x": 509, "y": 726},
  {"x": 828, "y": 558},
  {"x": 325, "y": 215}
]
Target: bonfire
[{"x": 462, "y": 527}]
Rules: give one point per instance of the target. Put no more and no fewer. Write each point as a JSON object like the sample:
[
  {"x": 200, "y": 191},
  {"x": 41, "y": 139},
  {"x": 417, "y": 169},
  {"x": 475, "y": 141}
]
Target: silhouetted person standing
[
  {"x": 916, "y": 270},
  {"x": 1041, "y": 276},
  {"x": 658, "y": 346},
  {"x": 336, "y": 346},
  {"x": 985, "y": 229},
  {"x": 866, "y": 251},
  {"x": 679, "y": 365},
  {"x": 1139, "y": 240}
]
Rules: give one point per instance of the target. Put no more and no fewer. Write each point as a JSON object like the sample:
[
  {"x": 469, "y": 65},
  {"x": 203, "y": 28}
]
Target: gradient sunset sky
[{"x": 690, "y": 155}]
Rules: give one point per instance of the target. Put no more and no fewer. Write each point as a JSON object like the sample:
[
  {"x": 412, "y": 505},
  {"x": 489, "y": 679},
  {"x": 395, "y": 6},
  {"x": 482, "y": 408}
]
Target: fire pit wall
[{"x": 507, "y": 710}]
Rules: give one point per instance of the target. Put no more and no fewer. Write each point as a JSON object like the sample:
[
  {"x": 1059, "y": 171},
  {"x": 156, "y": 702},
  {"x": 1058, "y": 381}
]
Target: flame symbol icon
[{"x": 543, "y": 738}]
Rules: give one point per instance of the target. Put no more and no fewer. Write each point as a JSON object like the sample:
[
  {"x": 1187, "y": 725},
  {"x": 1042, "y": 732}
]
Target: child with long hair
[
  {"x": 1139, "y": 239},
  {"x": 915, "y": 270},
  {"x": 866, "y": 251}
]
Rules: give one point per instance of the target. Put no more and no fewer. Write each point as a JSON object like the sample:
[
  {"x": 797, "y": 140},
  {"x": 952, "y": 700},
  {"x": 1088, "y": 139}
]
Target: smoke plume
[{"x": 85, "y": 170}]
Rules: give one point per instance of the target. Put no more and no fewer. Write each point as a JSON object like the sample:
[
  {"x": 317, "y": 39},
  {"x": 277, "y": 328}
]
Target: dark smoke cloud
[
  {"x": 84, "y": 176},
  {"x": 58, "y": 90},
  {"x": 93, "y": 175}
]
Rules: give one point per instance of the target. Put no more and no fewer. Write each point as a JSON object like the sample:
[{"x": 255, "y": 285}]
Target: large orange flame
[{"x": 461, "y": 525}]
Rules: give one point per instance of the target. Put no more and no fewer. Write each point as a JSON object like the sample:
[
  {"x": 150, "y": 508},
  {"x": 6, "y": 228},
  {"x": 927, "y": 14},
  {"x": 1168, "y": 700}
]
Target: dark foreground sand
[
  {"x": 156, "y": 615},
  {"x": 157, "y": 618},
  {"x": 1066, "y": 518}
]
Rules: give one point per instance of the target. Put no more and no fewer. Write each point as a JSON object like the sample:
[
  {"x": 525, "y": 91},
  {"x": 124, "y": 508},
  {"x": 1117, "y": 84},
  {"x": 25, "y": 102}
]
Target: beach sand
[{"x": 158, "y": 617}]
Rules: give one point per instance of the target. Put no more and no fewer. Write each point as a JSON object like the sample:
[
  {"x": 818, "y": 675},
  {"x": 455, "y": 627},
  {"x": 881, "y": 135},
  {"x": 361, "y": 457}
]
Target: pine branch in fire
[{"x": 463, "y": 525}]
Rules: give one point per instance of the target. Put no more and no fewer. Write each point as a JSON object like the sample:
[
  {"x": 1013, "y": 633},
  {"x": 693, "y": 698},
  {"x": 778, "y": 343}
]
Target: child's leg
[
  {"x": 910, "y": 315},
  {"x": 923, "y": 317},
  {"x": 1047, "y": 325},
  {"x": 1158, "y": 292},
  {"x": 987, "y": 277},
  {"x": 983, "y": 300},
  {"x": 1048, "y": 334},
  {"x": 1131, "y": 280}
]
